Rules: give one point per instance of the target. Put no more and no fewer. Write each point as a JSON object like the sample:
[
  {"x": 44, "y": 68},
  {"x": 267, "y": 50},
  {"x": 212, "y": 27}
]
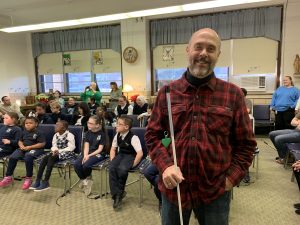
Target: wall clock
[{"x": 130, "y": 54}]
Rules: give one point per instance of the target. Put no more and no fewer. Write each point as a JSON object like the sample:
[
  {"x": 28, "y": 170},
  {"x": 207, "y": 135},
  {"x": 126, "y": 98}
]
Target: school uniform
[
  {"x": 45, "y": 119},
  {"x": 94, "y": 139},
  {"x": 128, "y": 145},
  {"x": 28, "y": 138},
  {"x": 12, "y": 133},
  {"x": 65, "y": 143}
]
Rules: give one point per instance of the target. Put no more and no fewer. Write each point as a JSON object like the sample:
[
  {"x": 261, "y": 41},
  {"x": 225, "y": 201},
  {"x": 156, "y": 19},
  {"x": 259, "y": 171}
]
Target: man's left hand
[{"x": 228, "y": 185}]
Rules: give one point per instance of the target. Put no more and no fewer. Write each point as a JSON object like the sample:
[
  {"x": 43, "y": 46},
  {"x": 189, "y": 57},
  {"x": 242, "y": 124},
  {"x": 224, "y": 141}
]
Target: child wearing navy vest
[
  {"x": 126, "y": 153},
  {"x": 123, "y": 107},
  {"x": 31, "y": 146},
  {"x": 93, "y": 152},
  {"x": 10, "y": 134},
  {"x": 63, "y": 145}
]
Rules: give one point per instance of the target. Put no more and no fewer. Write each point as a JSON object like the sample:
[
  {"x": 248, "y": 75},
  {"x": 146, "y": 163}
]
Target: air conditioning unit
[{"x": 257, "y": 83}]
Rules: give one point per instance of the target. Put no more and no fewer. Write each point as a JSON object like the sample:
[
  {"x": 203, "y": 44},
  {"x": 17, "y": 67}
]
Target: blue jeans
[
  {"x": 215, "y": 213},
  {"x": 282, "y": 137},
  {"x": 151, "y": 173},
  {"x": 28, "y": 156},
  {"x": 84, "y": 170}
]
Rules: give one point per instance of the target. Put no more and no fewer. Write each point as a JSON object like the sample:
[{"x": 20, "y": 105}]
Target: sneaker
[
  {"x": 6, "y": 181},
  {"x": 35, "y": 185},
  {"x": 43, "y": 187},
  {"x": 280, "y": 161},
  {"x": 80, "y": 185},
  {"x": 88, "y": 187},
  {"x": 27, "y": 183}
]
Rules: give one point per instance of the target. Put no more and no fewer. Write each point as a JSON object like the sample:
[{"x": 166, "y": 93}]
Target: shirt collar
[
  {"x": 62, "y": 134},
  {"x": 124, "y": 135}
]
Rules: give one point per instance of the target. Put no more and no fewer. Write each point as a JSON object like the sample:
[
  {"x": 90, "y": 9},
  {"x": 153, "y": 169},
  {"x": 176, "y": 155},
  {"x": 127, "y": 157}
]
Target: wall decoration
[
  {"x": 168, "y": 53},
  {"x": 130, "y": 54},
  {"x": 67, "y": 59},
  {"x": 297, "y": 65},
  {"x": 97, "y": 58}
]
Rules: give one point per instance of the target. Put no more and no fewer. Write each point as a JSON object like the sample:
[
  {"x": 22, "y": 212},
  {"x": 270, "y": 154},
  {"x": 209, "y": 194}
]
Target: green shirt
[{"x": 88, "y": 94}]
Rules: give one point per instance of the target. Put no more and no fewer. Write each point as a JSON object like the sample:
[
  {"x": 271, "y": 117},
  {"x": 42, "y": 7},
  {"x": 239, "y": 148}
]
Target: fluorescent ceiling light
[
  {"x": 121, "y": 16},
  {"x": 217, "y": 3},
  {"x": 152, "y": 12}
]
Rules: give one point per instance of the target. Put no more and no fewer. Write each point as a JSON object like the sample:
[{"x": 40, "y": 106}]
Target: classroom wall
[
  {"x": 16, "y": 66},
  {"x": 291, "y": 39}
]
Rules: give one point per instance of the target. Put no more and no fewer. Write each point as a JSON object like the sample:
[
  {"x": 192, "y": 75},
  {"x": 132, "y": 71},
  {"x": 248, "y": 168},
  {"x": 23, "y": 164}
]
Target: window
[
  {"x": 103, "y": 80},
  {"x": 52, "y": 81},
  {"x": 77, "y": 82},
  {"x": 165, "y": 76}
]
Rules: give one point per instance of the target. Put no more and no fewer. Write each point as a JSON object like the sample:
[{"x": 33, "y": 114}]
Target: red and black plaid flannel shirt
[{"x": 213, "y": 138}]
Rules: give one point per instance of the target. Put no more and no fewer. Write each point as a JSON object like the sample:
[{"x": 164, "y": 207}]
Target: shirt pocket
[
  {"x": 219, "y": 120},
  {"x": 178, "y": 115}
]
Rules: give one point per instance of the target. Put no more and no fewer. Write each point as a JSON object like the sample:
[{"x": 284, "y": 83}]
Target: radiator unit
[{"x": 257, "y": 83}]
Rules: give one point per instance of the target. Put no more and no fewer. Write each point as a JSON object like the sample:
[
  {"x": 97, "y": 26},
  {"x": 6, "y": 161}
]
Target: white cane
[{"x": 173, "y": 148}]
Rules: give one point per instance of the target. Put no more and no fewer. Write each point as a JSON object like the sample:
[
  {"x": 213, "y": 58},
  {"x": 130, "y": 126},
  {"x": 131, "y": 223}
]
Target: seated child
[
  {"x": 40, "y": 113},
  {"x": 93, "y": 152},
  {"x": 146, "y": 116},
  {"x": 126, "y": 152},
  {"x": 10, "y": 134},
  {"x": 63, "y": 145},
  {"x": 56, "y": 112},
  {"x": 31, "y": 146},
  {"x": 93, "y": 105}
]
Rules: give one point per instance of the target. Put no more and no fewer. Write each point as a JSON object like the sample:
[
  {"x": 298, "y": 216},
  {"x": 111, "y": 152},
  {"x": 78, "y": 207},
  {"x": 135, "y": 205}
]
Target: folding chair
[
  {"x": 138, "y": 170},
  {"x": 294, "y": 149},
  {"x": 64, "y": 166},
  {"x": 262, "y": 116}
]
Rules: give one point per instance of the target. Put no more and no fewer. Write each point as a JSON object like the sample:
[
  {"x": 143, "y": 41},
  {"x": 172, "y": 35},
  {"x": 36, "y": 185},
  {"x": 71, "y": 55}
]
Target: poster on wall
[
  {"x": 97, "y": 58},
  {"x": 168, "y": 53},
  {"x": 67, "y": 59}
]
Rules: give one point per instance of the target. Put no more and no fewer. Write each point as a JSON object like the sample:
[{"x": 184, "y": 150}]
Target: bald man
[{"x": 213, "y": 137}]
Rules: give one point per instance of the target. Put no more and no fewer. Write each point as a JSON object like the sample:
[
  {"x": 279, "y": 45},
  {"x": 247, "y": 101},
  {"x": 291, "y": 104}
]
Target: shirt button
[
  {"x": 192, "y": 161},
  {"x": 195, "y": 117},
  {"x": 197, "y": 96},
  {"x": 193, "y": 138}
]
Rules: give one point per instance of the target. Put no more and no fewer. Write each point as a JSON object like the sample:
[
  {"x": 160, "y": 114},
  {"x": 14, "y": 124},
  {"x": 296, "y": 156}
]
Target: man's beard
[{"x": 200, "y": 72}]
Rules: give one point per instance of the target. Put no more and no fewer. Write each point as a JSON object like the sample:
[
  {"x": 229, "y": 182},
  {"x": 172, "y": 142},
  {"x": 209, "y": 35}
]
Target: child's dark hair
[
  {"x": 85, "y": 108},
  {"x": 42, "y": 105},
  {"x": 127, "y": 120},
  {"x": 64, "y": 123},
  {"x": 2, "y": 99},
  {"x": 14, "y": 116},
  {"x": 34, "y": 119},
  {"x": 150, "y": 106},
  {"x": 92, "y": 99}
]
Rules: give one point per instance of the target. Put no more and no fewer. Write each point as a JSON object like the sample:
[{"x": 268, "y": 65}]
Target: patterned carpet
[{"x": 267, "y": 201}]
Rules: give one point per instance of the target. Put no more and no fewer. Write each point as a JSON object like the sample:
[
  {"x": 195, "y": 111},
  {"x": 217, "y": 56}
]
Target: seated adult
[
  {"x": 71, "y": 107},
  {"x": 59, "y": 99},
  {"x": 152, "y": 175},
  {"x": 140, "y": 106},
  {"x": 40, "y": 113},
  {"x": 123, "y": 107},
  {"x": 282, "y": 137},
  {"x": 296, "y": 167},
  {"x": 7, "y": 106},
  {"x": 91, "y": 91},
  {"x": 83, "y": 115},
  {"x": 115, "y": 94}
]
